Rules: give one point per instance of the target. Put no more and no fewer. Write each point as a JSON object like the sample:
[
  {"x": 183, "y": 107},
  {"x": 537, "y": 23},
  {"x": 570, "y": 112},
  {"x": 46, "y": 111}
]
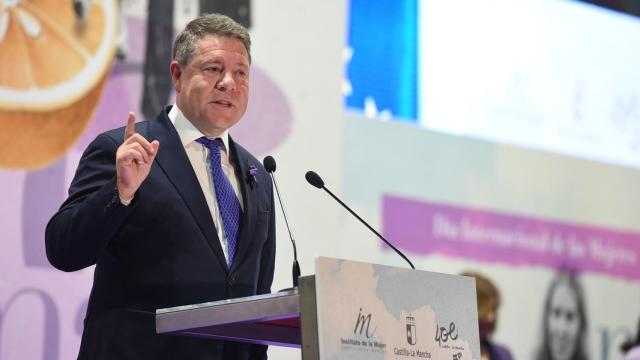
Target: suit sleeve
[{"x": 79, "y": 232}]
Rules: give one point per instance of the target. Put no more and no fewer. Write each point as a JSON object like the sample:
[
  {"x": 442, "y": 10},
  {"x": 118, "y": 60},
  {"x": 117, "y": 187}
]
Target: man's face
[{"x": 212, "y": 90}]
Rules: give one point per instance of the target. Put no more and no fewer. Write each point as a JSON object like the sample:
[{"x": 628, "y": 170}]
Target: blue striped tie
[{"x": 228, "y": 203}]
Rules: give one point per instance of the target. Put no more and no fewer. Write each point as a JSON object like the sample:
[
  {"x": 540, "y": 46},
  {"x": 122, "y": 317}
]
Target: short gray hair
[{"x": 204, "y": 25}]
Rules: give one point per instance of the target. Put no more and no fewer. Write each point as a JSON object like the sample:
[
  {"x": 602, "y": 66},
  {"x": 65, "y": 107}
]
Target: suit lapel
[
  {"x": 173, "y": 160},
  {"x": 242, "y": 161}
]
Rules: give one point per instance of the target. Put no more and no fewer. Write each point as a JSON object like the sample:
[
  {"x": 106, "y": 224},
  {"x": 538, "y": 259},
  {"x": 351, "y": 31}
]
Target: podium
[{"x": 347, "y": 310}]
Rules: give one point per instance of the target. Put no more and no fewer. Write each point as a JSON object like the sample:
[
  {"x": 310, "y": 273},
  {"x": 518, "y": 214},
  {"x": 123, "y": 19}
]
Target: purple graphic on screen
[
  {"x": 50, "y": 324},
  {"x": 79, "y": 318},
  {"x": 268, "y": 119},
  {"x": 429, "y": 228},
  {"x": 44, "y": 193}
]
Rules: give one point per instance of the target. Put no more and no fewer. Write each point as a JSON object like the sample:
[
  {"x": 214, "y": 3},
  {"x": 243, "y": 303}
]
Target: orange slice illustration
[{"x": 53, "y": 67}]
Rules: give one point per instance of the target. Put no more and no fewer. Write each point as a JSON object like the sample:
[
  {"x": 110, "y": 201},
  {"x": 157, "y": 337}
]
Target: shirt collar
[{"x": 187, "y": 132}]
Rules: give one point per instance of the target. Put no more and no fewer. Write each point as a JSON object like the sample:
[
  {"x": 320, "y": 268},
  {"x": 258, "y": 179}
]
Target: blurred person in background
[
  {"x": 564, "y": 320},
  {"x": 488, "y": 304}
]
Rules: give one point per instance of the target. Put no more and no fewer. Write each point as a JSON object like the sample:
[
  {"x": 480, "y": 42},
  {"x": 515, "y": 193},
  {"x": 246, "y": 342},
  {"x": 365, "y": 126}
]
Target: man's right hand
[{"x": 133, "y": 160}]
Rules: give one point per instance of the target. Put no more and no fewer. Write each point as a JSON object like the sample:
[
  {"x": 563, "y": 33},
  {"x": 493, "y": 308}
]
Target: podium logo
[
  {"x": 361, "y": 322},
  {"x": 411, "y": 330},
  {"x": 443, "y": 335}
]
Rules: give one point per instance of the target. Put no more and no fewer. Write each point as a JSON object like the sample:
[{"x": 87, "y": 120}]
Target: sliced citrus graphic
[{"x": 54, "y": 66}]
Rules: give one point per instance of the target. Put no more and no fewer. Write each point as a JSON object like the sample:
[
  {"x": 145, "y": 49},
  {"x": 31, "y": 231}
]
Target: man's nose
[{"x": 226, "y": 82}]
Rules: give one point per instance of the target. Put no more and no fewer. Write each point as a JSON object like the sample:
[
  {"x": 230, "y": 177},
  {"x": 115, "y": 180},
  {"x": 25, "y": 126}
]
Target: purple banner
[{"x": 430, "y": 228}]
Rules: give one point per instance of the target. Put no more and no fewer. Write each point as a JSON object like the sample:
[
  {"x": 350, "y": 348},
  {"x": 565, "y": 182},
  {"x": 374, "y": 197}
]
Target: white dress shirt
[{"x": 198, "y": 155}]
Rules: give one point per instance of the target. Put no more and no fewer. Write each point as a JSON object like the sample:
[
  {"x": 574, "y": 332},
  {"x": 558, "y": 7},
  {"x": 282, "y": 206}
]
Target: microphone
[
  {"x": 315, "y": 180},
  {"x": 270, "y": 165}
]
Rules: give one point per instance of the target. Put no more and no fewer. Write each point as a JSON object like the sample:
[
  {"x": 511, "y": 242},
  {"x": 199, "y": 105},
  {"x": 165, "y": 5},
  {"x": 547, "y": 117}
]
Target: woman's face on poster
[{"x": 563, "y": 322}]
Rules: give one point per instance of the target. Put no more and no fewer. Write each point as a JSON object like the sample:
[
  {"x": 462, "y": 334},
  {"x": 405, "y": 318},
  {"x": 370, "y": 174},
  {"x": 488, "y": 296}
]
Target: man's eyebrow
[
  {"x": 211, "y": 61},
  {"x": 220, "y": 61}
]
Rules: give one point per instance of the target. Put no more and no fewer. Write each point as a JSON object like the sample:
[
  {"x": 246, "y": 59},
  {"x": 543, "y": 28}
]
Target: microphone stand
[
  {"x": 316, "y": 181},
  {"x": 296, "y": 267}
]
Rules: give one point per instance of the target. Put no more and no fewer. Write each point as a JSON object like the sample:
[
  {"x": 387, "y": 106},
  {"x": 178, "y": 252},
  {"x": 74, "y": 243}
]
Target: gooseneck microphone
[
  {"x": 315, "y": 180},
  {"x": 270, "y": 165}
]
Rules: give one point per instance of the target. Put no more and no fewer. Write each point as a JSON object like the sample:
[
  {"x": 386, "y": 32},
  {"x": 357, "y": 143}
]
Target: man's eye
[{"x": 212, "y": 69}]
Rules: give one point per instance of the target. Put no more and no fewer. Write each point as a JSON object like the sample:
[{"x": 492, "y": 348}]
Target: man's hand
[{"x": 133, "y": 160}]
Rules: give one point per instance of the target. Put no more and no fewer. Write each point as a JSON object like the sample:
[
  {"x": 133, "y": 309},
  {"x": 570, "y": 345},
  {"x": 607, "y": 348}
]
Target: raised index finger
[{"x": 131, "y": 126}]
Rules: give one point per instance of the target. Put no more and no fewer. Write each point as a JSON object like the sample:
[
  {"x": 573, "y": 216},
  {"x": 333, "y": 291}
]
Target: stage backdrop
[{"x": 500, "y": 137}]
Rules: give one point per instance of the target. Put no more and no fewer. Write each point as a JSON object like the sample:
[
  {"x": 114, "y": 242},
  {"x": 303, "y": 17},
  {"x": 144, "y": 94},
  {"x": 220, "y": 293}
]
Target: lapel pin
[{"x": 251, "y": 175}]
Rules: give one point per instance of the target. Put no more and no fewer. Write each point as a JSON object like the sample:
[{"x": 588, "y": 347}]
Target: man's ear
[{"x": 176, "y": 75}]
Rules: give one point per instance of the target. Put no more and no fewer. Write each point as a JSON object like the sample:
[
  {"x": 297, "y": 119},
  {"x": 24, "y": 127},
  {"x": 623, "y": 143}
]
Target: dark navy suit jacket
[{"x": 161, "y": 251}]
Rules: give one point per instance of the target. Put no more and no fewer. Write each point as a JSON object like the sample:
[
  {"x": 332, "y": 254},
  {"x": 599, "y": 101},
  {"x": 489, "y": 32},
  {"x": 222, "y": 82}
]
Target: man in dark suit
[{"x": 172, "y": 211}]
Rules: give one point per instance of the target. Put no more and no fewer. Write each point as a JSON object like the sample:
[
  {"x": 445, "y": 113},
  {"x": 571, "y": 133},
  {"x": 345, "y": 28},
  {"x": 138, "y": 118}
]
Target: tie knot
[{"x": 212, "y": 144}]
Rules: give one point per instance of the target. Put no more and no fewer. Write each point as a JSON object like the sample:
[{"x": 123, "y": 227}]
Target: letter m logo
[{"x": 361, "y": 322}]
